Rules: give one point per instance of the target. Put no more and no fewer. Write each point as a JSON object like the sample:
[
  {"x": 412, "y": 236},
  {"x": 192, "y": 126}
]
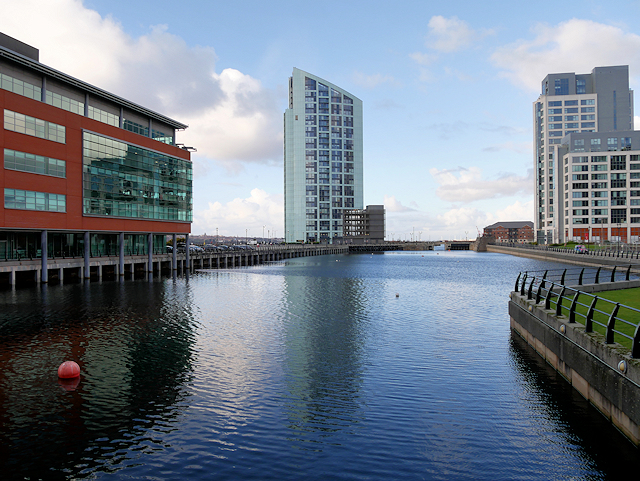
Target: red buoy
[{"x": 68, "y": 370}]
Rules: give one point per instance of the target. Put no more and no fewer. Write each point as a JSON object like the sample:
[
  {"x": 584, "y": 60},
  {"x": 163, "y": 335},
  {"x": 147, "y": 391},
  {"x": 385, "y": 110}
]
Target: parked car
[
  {"x": 210, "y": 248},
  {"x": 580, "y": 249},
  {"x": 195, "y": 249}
]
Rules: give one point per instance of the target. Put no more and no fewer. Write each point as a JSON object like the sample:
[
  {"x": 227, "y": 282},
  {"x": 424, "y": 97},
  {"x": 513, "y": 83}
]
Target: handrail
[{"x": 592, "y": 311}]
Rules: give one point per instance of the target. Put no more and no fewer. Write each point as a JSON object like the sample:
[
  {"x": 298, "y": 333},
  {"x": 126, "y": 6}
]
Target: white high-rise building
[
  {"x": 572, "y": 103},
  {"x": 323, "y": 167}
]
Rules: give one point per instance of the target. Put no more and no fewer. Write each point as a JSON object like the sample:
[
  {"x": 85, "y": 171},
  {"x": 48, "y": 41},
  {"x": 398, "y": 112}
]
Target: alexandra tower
[{"x": 322, "y": 158}]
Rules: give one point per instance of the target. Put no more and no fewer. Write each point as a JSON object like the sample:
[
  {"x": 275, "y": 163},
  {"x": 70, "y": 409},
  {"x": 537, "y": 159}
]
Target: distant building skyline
[{"x": 323, "y": 158}]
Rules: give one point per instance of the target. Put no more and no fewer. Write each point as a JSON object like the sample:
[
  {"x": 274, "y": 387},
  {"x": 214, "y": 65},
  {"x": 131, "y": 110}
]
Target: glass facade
[
  {"x": 323, "y": 131},
  {"x": 125, "y": 180}
]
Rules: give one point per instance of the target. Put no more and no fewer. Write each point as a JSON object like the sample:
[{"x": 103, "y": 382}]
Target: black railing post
[
  {"x": 598, "y": 274},
  {"x": 588, "y": 322},
  {"x": 524, "y": 281},
  {"x": 517, "y": 280},
  {"x": 612, "y": 324},
  {"x": 580, "y": 278},
  {"x": 539, "y": 291},
  {"x": 613, "y": 274},
  {"x": 547, "y": 301},
  {"x": 530, "y": 292},
  {"x": 562, "y": 277},
  {"x": 628, "y": 272},
  {"x": 635, "y": 347},
  {"x": 572, "y": 309},
  {"x": 559, "y": 302}
]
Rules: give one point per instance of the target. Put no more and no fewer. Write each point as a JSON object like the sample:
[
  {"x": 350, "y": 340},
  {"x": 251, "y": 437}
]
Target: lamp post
[
  {"x": 216, "y": 236},
  {"x": 263, "y": 232},
  {"x": 246, "y": 237}
]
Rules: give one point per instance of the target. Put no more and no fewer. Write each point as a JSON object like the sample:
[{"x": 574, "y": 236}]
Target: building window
[
  {"x": 588, "y": 102},
  {"x": 561, "y": 86},
  {"x": 35, "y": 164},
  {"x": 65, "y": 103},
  {"x": 587, "y": 125},
  {"x": 555, "y": 103},
  {"x": 31, "y": 126},
  {"x": 570, "y": 102},
  {"x": 581, "y": 88},
  {"x": 125, "y": 180},
  {"x": 572, "y": 110},
  {"x": 19, "y": 87},
  {"x": 29, "y": 200},
  {"x": 618, "y": 162},
  {"x": 103, "y": 116},
  {"x": 618, "y": 216}
]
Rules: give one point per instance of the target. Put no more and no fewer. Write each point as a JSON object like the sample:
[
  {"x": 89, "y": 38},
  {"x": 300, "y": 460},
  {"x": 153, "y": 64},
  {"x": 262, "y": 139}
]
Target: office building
[
  {"x": 322, "y": 158},
  {"x": 84, "y": 172},
  {"x": 364, "y": 226},
  {"x": 572, "y": 103}
]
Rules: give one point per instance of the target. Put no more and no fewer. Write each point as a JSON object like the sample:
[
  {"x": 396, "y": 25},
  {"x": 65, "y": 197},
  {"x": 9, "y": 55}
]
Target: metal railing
[
  {"x": 578, "y": 306},
  {"x": 626, "y": 251}
]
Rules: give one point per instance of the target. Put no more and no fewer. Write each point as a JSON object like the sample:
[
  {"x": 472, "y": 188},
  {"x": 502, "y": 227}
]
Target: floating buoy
[
  {"x": 69, "y": 370},
  {"x": 397, "y": 295}
]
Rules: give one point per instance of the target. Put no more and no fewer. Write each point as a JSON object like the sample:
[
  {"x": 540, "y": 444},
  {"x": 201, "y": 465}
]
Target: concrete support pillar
[
  {"x": 150, "y": 253},
  {"x": 99, "y": 272},
  {"x": 44, "y": 274},
  {"x": 87, "y": 251},
  {"x": 12, "y": 278},
  {"x": 61, "y": 275},
  {"x": 174, "y": 254},
  {"x": 121, "y": 255}
]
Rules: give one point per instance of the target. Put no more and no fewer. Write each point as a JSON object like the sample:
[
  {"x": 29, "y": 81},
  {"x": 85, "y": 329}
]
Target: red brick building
[{"x": 512, "y": 232}]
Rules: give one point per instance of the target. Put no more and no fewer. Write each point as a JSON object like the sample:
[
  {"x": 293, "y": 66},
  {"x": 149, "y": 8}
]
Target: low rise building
[
  {"x": 513, "y": 232},
  {"x": 364, "y": 226}
]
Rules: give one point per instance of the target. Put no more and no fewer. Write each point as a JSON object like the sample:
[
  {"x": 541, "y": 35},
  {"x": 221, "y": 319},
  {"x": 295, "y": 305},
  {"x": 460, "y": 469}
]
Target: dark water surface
[{"x": 307, "y": 369}]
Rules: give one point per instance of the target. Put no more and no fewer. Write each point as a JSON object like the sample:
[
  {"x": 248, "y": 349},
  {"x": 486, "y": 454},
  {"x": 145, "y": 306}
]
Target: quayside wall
[{"x": 605, "y": 374}]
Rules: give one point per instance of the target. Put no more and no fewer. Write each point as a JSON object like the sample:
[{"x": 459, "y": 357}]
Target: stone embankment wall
[
  {"x": 584, "y": 359},
  {"x": 566, "y": 257}
]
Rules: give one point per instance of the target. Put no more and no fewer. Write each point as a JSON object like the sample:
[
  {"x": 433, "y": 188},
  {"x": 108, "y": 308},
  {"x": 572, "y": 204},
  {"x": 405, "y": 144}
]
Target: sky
[{"x": 447, "y": 91}]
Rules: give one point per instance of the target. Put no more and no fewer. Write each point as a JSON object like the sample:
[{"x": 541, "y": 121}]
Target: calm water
[{"x": 308, "y": 369}]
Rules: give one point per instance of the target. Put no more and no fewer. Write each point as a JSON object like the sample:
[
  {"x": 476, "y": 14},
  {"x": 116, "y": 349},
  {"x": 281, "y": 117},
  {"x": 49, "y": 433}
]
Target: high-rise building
[
  {"x": 322, "y": 158},
  {"x": 572, "y": 103}
]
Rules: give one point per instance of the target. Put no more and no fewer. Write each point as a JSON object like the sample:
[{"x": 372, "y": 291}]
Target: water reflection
[
  {"x": 135, "y": 355},
  {"x": 324, "y": 349}
]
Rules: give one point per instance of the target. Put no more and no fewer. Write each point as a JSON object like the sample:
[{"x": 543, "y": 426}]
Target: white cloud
[
  {"x": 232, "y": 117},
  {"x": 514, "y": 212},
  {"x": 423, "y": 58},
  {"x": 257, "y": 210},
  {"x": 449, "y": 34},
  {"x": 572, "y": 46},
  {"x": 391, "y": 204},
  {"x": 467, "y": 185},
  {"x": 372, "y": 81}
]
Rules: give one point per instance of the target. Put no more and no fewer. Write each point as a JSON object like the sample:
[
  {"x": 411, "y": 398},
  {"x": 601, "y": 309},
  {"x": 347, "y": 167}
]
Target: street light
[{"x": 263, "y": 233}]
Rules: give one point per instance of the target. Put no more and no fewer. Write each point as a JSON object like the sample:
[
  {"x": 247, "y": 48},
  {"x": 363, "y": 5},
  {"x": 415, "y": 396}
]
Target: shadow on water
[
  {"x": 134, "y": 348},
  {"x": 606, "y": 453}
]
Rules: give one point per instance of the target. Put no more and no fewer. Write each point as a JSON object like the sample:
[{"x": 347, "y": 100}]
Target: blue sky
[{"x": 447, "y": 89}]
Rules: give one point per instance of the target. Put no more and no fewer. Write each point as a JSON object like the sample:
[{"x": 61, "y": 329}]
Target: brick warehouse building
[
  {"x": 515, "y": 232},
  {"x": 85, "y": 173}
]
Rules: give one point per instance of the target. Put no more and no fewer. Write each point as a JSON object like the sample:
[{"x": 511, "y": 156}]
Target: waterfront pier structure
[
  {"x": 29, "y": 271},
  {"x": 543, "y": 311}
]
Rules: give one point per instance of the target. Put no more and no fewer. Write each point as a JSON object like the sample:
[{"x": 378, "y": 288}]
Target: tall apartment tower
[
  {"x": 322, "y": 159},
  {"x": 572, "y": 103}
]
